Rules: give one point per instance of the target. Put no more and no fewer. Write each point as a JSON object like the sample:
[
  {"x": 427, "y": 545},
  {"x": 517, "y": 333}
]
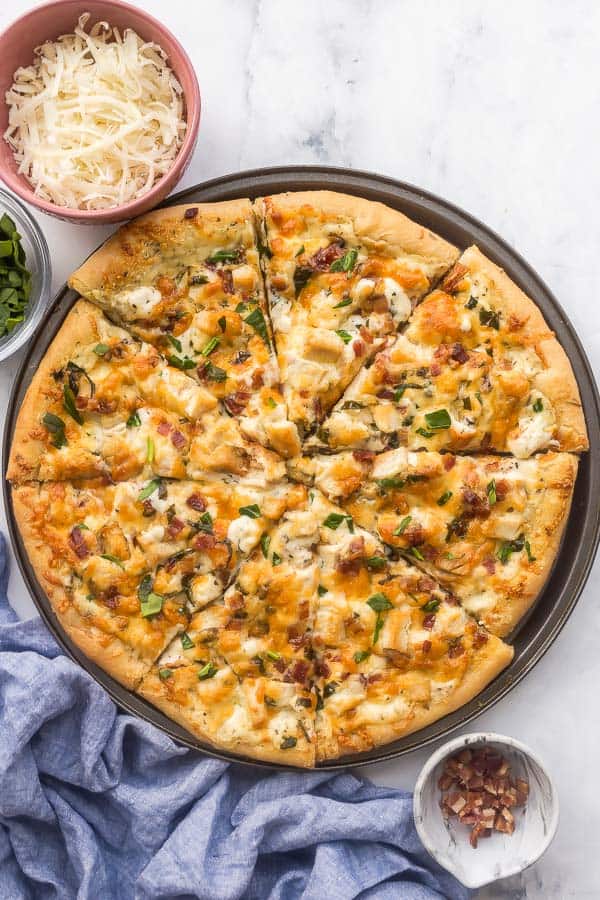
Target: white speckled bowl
[{"x": 500, "y": 855}]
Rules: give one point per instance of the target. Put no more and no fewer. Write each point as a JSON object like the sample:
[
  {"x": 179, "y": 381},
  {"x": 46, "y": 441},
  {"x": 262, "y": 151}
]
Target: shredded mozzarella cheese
[{"x": 97, "y": 119}]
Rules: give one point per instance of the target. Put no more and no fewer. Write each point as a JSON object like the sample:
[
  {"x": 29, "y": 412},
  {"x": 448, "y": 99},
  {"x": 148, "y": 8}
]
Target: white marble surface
[{"x": 493, "y": 105}]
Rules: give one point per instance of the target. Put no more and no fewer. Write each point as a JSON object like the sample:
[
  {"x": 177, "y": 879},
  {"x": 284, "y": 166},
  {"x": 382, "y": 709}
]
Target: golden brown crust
[
  {"x": 80, "y": 329},
  {"x": 382, "y": 229},
  {"x": 122, "y": 258},
  {"x": 557, "y": 381}
]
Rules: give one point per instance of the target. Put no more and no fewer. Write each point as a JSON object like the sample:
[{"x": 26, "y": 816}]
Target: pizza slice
[
  {"x": 475, "y": 369},
  {"x": 125, "y": 565},
  {"x": 393, "y": 651},
  {"x": 342, "y": 274},
  {"x": 187, "y": 280},
  {"x": 105, "y": 405},
  {"x": 486, "y": 527}
]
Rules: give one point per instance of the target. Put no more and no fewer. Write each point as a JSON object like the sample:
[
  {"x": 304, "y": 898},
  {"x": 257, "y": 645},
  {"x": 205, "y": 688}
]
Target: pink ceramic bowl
[{"x": 49, "y": 21}]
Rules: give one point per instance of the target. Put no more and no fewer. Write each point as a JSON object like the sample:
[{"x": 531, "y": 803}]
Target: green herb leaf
[
  {"x": 165, "y": 674},
  {"x": 56, "y": 427},
  {"x": 213, "y": 373},
  {"x": 489, "y": 317},
  {"x": 276, "y": 559},
  {"x": 334, "y": 520},
  {"x": 265, "y": 543},
  {"x": 223, "y": 256},
  {"x": 403, "y": 526},
  {"x": 441, "y": 501},
  {"x": 416, "y": 553},
  {"x": 252, "y": 511},
  {"x": 288, "y": 743},
  {"x": 204, "y": 523},
  {"x": 182, "y": 363},
  {"x": 302, "y": 275},
  {"x": 344, "y": 336},
  {"x": 300, "y": 251},
  {"x": 256, "y": 320},
  {"x": 186, "y": 641},
  {"x": 538, "y": 406},
  {"x": 210, "y": 346},
  {"x": 207, "y": 671},
  {"x": 378, "y": 626},
  {"x": 438, "y": 420},
  {"x": 101, "y": 349},
  {"x": 491, "y": 492},
  {"x": 134, "y": 420},
  {"x": 198, "y": 279},
  {"x": 345, "y": 263},
  {"x": 361, "y": 655},
  {"x": 69, "y": 404},
  {"x": 376, "y": 563},
  {"x": 507, "y": 548},
  {"x": 431, "y": 606},
  {"x": 113, "y": 559},
  {"x": 471, "y": 303},
  {"x": 145, "y": 587},
  {"x": 271, "y": 403},
  {"x": 322, "y": 590},
  {"x": 149, "y": 489},
  {"x": 173, "y": 340},
  {"x": 222, "y": 323},
  {"x": 379, "y": 603},
  {"x": 345, "y": 302},
  {"x": 151, "y": 604}
]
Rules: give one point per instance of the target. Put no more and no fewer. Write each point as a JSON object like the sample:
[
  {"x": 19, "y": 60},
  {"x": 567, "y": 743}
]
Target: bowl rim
[
  {"x": 192, "y": 110},
  {"x": 36, "y": 306},
  {"x": 451, "y": 746}
]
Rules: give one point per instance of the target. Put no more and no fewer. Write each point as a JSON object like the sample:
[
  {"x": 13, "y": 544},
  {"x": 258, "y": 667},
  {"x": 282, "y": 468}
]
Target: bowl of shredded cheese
[{"x": 101, "y": 110}]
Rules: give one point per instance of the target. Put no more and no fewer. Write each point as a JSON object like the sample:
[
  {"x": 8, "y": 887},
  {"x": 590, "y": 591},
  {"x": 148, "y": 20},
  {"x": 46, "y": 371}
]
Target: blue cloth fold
[{"x": 98, "y": 805}]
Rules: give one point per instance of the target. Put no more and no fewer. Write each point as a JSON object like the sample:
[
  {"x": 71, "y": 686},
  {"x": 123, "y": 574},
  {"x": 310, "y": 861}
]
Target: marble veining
[{"x": 495, "y": 107}]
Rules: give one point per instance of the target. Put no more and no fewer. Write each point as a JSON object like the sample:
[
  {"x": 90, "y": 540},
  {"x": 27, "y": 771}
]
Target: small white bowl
[{"x": 500, "y": 855}]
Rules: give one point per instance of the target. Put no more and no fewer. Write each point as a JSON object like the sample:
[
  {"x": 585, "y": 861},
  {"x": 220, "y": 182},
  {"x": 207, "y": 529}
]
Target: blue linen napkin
[{"x": 98, "y": 805}]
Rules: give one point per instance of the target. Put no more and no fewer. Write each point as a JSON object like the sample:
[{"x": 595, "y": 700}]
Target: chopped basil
[
  {"x": 210, "y": 346},
  {"x": 288, "y": 743},
  {"x": 376, "y": 563},
  {"x": 431, "y": 606},
  {"x": 186, "y": 641},
  {"x": 134, "y": 420},
  {"x": 507, "y": 548},
  {"x": 490, "y": 317},
  {"x": 252, "y": 511},
  {"x": 345, "y": 302},
  {"x": 69, "y": 404},
  {"x": 334, "y": 520},
  {"x": 256, "y": 320},
  {"x": 56, "y": 427},
  {"x": 164, "y": 674},
  {"x": 416, "y": 553},
  {"x": 101, "y": 349},
  {"x": 113, "y": 559},
  {"x": 302, "y": 275},
  {"x": 174, "y": 342},
  {"x": 538, "y": 406},
  {"x": 151, "y": 604},
  {"x": 361, "y": 655},
  {"x": 344, "y": 336},
  {"x": 379, "y": 602},
  {"x": 300, "y": 251},
  {"x": 491, "y": 492},
  {"x": 182, "y": 363},
  {"x": 441, "y": 501},
  {"x": 265, "y": 542},
  {"x": 222, "y": 323},
  {"x": 403, "y": 526},
  {"x": 321, "y": 590},
  {"x": 344, "y": 263},
  {"x": 276, "y": 559},
  {"x": 149, "y": 489},
  {"x": 213, "y": 373},
  {"x": 207, "y": 671},
  {"x": 438, "y": 420}
]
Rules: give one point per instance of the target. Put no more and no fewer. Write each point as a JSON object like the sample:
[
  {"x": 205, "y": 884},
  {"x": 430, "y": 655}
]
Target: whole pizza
[{"x": 293, "y": 469}]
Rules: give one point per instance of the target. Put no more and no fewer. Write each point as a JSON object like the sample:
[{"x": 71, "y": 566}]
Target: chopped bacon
[
  {"x": 479, "y": 507},
  {"x": 321, "y": 668},
  {"x": 365, "y": 334},
  {"x": 103, "y": 406},
  {"x": 178, "y": 439},
  {"x": 502, "y": 489},
  {"x": 235, "y": 403},
  {"x": 279, "y": 664},
  {"x": 386, "y": 394},
  {"x": 110, "y": 597},
  {"x": 414, "y": 534},
  {"x": 197, "y": 502},
  {"x": 78, "y": 544},
  {"x": 82, "y": 402},
  {"x": 164, "y": 427},
  {"x": 363, "y": 456},
  {"x": 458, "y": 353},
  {"x": 300, "y": 670},
  {"x": 480, "y": 638},
  {"x": 358, "y": 347},
  {"x": 455, "y": 649},
  {"x": 449, "y": 462},
  {"x": 429, "y": 621},
  {"x": 435, "y": 369},
  {"x": 376, "y": 676},
  {"x": 426, "y": 646},
  {"x": 477, "y": 787},
  {"x": 454, "y": 278},
  {"x": 191, "y": 212},
  {"x": 322, "y": 259},
  {"x": 205, "y": 542},
  {"x": 174, "y": 527},
  {"x": 227, "y": 281},
  {"x": 148, "y": 509},
  {"x": 490, "y": 565}
]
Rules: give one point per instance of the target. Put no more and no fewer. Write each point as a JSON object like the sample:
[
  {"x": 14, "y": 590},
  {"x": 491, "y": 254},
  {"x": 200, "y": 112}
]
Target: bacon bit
[
  {"x": 365, "y": 334},
  {"x": 174, "y": 527},
  {"x": 429, "y": 622},
  {"x": 479, "y": 506},
  {"x": 234, "y": 625},
  {"x": 386, "y": 394},
  {"x": 426, "y": 646},
  {"x": 455, "y": 649},
  {"x": 358, "y": 347},
  {"x": 148, "y": 509},
  {"x": 435, "y": 369},
  {"x": 454, "y": 278},
  {"x": 205, "y": 542},
  {"x": 376, "y": 676},
  {"x": 414, "y": 534},
  {"x": 480, "y": 638},
  {"x": 489, "y": 565},
  {"x": 322, "y": 669},
  {"x": 166, "y": 285},
  {"x": 78, "y": 544},
  {"x": 191, "y": 213},
  {"x": 477, "y": 787},
  {"x": 82, "y": 402},
  {"x": 197, "y": 502},
  {"x": 103, "y": 406},
  {"x": 164, "y": 427},
  {"x": 322, "y": 259},
  {"x": 110, "y": 597},
  {"x": 458, "y": 353},
  {"x": 502, "y": 489},
  {"x": 299, "y": 671},
  {"x": 226, "y": 280},
  {"x": 363, "y": 456},
  {"x": 279, "y": 664},
  {"x": 426, "y": 584},
  {"x": 449, "y": 462},
  {"x": 380, "y": 304},
  {"x": 178, "y": 440},
  {"x": 235, "y": 404},
  {"x": 296, "y": 640}
]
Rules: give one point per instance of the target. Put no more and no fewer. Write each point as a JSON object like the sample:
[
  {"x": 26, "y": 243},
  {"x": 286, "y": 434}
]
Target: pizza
[{"x": 294, "y": 469}]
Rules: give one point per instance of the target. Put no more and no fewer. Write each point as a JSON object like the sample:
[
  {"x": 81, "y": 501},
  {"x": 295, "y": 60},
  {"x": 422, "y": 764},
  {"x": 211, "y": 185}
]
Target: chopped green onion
[
  {"x": 207, "y": 671},
  {"x": 265, "y": 542},
  {"x": 334, "y": 520},
  {"x": 345, "y": 302},
  {"x": 361, "y": 655},
  {"x": 276, "y": 559},
  {"x": 375, "y": 563},
  {"x": 403, "y": 526},
  {"x": 431, "y": 606},
  {"x": 149, "y": 489},
  {"x": 491, "y": 492},
  {"x": 150, "y": 450},
  {"x": 101, "y": 349},
  {"x": 69, "y": 404},
  {"x": 186, "y": 641},
  {"x": 113, "y": 559},
  {"x": 438, "y": 420},
  {"x": 134, "y": 420},
  {"x": 151, "y": 604},
  {"x": 174, "y": 342},
  {"x": 538, "y": 406},
  {"x": 344, "y": 336},
  {"x": 441, "y": 501},
  {"x": 165, "y": 674},
  {"x": 56, "y": 427},
  {"x": 210, "y": 346},
  {"x": 252, "y": 511},
  {"x": 345, "y": 263}
]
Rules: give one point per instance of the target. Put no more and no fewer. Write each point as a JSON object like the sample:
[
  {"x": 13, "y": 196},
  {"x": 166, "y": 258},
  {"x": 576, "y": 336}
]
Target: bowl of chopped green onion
[{"x": 25, "y": 274}]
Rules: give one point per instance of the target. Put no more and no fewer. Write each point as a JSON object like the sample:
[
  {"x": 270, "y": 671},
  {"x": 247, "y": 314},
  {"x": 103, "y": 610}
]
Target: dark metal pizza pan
[{"x": 535, "y": 635}]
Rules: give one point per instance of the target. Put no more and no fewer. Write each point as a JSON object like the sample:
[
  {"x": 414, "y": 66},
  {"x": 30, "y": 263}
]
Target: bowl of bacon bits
[{"x": 485, "y": 807}]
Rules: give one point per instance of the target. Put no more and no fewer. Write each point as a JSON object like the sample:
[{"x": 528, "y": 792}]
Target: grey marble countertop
[{"x": 493, "y": 106}]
